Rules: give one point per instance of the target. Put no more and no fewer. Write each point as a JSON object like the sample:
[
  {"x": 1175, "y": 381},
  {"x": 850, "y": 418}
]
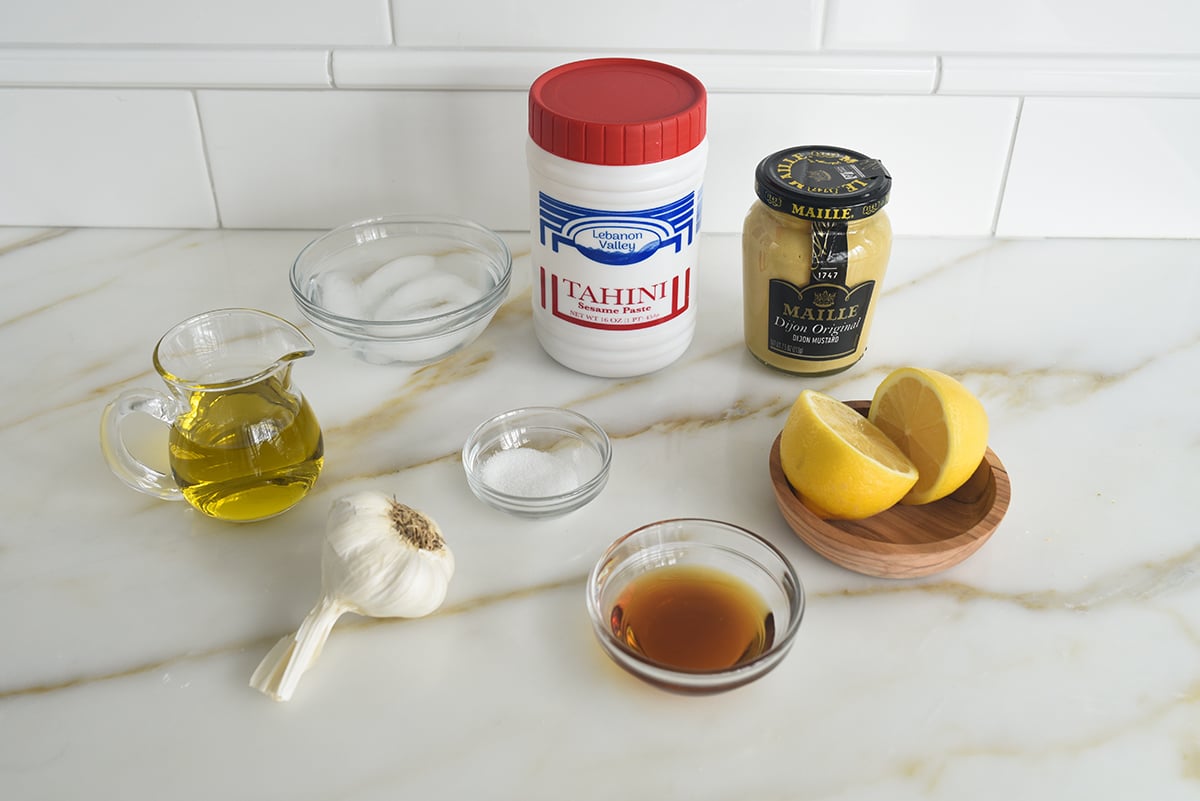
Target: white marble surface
[{"x": 1061, "y": 661}]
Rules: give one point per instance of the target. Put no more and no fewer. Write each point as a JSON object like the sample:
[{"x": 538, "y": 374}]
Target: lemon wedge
[
  {"x": 937, "y": 422},
  {"x": 841, "y": 465}
]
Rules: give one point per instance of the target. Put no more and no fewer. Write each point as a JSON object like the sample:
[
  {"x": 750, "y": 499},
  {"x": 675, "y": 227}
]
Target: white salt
[{"x": 529, "y": 473}]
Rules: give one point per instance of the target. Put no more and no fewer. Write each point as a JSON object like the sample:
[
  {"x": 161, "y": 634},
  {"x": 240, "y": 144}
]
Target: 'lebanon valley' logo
[{"x": 617, "y": 238}]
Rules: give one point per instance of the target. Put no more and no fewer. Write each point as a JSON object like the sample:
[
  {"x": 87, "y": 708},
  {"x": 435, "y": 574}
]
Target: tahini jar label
[{"x": 615, "y": 270}]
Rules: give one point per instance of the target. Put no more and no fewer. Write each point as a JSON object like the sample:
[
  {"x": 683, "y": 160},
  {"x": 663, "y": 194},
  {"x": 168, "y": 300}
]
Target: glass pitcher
[{"x": 244, "y": 444}]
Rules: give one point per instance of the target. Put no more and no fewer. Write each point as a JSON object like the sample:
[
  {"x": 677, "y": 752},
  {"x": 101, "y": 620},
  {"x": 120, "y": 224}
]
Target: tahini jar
[
  {"x": 616, "y": 155},
  {"x": 815, "y": 247}
]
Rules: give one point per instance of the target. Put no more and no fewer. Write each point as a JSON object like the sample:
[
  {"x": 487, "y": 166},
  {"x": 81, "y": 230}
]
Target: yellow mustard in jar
[{"x": 815, "y": 246}]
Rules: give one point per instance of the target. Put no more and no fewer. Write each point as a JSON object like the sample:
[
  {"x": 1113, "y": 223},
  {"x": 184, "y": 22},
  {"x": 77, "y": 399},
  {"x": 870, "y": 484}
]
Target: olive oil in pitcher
[
  {"x": 248, "y": 453},
  {"x": 243, "y": 443}
]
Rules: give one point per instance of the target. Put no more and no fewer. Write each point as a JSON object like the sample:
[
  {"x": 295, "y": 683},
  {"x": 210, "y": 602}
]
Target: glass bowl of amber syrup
[{"x": 695, "y": 606}]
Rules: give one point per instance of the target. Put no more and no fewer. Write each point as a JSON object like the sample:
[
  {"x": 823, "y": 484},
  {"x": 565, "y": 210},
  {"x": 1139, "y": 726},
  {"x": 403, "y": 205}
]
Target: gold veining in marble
[
  {"x": 516, "y": 308},
  {"x": 740, "y": 409},
  {"x": 36, "y": 239},
  {"x": 932, "y": 769},
  {"x": 1151, "y": 578},
  {"x": 1190, "y": 762},
  {"x": 83, "y": 681},
  {"x": 36, "y": 311},
  {"x": 463, "y": 607},
  {"x": 460, "y": 366},
  {"x": 391, "y": 411},
  {"x": 92, "y": 395},
  {"x": 1137, "y": 583},
  {"x": 992, "y": 246}
]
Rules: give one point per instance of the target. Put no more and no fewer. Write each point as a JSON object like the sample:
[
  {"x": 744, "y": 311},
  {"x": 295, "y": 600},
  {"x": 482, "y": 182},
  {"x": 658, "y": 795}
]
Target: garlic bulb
[{"x": 380, "y": 559}]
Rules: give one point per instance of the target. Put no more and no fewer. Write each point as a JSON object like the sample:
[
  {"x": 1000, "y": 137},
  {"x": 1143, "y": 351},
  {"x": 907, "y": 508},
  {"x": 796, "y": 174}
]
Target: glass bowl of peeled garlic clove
[
  {"x": 539, "y": 461},
  {"x": 403, "y": 289}
]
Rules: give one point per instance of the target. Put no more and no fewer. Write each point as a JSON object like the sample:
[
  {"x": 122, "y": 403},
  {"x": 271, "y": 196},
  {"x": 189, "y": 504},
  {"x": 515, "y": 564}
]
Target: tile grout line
[
  {"x": 1008, "y": 157},
  {"x": 212, "y": 182},
  {"x": 391, "y": 22},
  {"x": 822, "y": 23}
]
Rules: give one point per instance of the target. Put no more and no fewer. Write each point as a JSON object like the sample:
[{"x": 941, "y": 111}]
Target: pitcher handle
[{"x": 124, "y": 465}]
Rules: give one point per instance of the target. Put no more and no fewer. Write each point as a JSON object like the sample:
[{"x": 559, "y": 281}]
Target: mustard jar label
[{"x": 823, "y": 319}]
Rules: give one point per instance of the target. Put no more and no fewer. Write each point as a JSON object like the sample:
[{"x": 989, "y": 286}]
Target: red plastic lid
[{"x": 617, "y": 111}]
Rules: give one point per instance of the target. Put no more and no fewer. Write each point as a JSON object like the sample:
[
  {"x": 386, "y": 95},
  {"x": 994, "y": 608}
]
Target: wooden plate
[{"x": 904, "y": 541}]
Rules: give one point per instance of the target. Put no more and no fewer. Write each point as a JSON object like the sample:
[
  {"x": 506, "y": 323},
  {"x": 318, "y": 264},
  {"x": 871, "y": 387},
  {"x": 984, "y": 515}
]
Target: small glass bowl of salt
[
  {"x": 403, "y": 289},
  {"x": 539, "y": 461}
]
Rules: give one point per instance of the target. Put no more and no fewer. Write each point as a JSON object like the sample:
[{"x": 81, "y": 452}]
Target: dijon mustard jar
[{"x": 815, "y": 246}]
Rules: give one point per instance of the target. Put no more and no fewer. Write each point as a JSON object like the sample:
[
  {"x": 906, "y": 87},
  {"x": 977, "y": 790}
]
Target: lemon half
[
  {"x": 841, "y": 465},
  {"x": 938, "y": 423}
]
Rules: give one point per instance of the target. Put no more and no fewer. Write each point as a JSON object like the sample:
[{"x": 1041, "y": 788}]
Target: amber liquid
[
  {"x": 692, "y": 618},
  {"x": 246, "y": 454}
]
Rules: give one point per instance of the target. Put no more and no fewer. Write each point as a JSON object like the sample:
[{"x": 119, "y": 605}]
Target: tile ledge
[
  {"x": 1029, "y": 76},
  {"x": 157, "y": 66},
  {"x": 390, "y": 67}
]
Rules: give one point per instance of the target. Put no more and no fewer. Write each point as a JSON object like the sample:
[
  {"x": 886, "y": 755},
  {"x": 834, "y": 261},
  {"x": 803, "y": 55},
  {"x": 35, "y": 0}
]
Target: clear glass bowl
[
  {"x": 407, "y": 289},
  {"x": 717, "y": 548},
  {"x": 539, "y": 461}
]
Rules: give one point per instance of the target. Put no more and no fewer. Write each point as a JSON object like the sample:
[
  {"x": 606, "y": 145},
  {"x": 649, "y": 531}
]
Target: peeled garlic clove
[
  {"x": 306, "y": 645},
  {"x": 269, "y": 673}
]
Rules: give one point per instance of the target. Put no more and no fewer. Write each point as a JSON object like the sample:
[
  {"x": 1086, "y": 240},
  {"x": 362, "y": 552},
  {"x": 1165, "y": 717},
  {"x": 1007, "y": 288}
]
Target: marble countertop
[{"x": 1060, "y": 661}]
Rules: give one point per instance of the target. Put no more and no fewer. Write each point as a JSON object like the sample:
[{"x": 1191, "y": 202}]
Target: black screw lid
[{"x": 818, "y": 182}]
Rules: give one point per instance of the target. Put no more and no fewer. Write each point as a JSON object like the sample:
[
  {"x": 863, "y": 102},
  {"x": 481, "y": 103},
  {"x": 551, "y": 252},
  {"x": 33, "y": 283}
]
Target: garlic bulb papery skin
[{"x": 380, "y": 559}]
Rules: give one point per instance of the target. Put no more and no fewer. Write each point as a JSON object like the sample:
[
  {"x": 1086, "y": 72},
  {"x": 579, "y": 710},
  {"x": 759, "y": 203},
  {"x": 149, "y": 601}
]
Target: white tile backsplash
[
  {"x": 689, "y": 25},
  {"x": 1104, "y": 167},
  {"x": 317, "y": 159},
  {"x": 1104, "y": 27},
  {"x": 102, "y": 157},
  {"x": 191, "y": 22},
  {"x": 945, "y": 155},
  {"x": 373, "y": 152},
  {"x": 307, "y": 113}
]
